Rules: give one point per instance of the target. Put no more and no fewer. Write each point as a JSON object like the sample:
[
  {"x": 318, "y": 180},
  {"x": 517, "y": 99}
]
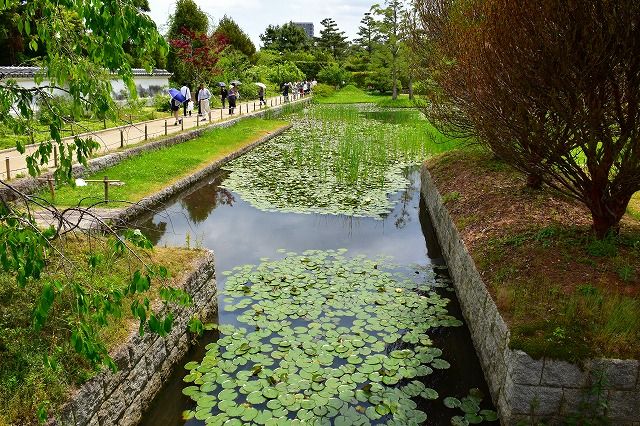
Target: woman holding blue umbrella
[{"x": 177, "y": 99}]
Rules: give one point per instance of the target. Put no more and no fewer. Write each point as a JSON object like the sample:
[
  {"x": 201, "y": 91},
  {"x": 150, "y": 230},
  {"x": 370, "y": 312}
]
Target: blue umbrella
[{"x": 175, "y": 94}]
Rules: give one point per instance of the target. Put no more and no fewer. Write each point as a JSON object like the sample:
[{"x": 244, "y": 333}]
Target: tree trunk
[
  {"x": 607, "y": 213},
  {"x": 411, "y": 86},
  {"x": 534, "y": 180}
]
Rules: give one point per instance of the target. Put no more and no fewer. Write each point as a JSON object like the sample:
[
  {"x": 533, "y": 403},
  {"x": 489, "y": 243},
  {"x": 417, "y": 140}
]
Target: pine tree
[
  {"x": 331, "y": 39},
  {"x": 368, "y": 33}
]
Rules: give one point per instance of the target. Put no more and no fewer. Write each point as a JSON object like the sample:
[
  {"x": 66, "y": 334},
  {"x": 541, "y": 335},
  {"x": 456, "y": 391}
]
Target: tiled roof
[{"x": 29, "y": 72}]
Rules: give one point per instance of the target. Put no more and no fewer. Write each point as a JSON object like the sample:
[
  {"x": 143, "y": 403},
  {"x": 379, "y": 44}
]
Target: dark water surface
[{"x": 220, "y": 220}]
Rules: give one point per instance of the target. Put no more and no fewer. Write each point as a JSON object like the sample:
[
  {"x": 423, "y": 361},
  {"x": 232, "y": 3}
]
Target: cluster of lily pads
[
  {"x": 470, "y": 407},
  {"x": 335, "y": 160},
  {"x": 320, "y": 339}
]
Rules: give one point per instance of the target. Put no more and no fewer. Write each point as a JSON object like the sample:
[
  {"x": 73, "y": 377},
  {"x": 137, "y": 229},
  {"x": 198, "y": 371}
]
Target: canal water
[{"x": 212, "y": 217}]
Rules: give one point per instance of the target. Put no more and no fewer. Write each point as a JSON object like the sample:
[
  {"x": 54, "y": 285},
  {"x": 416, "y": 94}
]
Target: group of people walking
[
  {"x": 230, "y": 96},
  {"x": 203, "y": 95}
]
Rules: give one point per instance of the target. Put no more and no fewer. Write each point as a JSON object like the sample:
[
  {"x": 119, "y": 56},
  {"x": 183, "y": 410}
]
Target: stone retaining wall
[
  {"x": 525, "y": 389},
  {"x": 29, "y": 185},
  {"x": 144, "y": 363}
]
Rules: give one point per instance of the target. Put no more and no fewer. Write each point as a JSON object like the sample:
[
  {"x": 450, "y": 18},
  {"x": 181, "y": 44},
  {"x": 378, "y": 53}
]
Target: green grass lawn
[
  {"x": 349, "y": 95},
  {"x": 353, "y": 95},
  {"x": 152, "y": 171},
  {"x": 634, "y": 206},
  {"x": 8, "y": 139}
]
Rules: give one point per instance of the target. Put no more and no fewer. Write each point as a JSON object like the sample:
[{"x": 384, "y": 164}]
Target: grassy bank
[
  {"x": 353, "y": 95},
  {"x": 563, "y": 293},
  {"x": 40, "y": 366},
  {"x": 152, "y": 171}
]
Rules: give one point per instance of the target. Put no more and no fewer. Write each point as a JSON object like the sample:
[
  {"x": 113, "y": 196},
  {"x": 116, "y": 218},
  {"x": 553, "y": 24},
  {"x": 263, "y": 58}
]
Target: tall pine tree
[{"x": 331, "y": 39}]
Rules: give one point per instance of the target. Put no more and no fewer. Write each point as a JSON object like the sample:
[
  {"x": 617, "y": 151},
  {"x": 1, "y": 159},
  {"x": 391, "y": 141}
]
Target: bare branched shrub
[{"x": 552, "y": 87}]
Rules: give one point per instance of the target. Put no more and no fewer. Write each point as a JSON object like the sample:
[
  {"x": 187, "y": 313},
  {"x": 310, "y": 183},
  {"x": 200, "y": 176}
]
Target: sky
[{"x": 253, "y": 16}]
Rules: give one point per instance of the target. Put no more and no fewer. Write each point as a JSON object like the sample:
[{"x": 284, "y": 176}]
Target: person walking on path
[
  {"x": 203, "y": 100},
  {"x": 175, "y": 109},
  {"x": 187, "y": 94},
  {"x": 261, "y": 95},
  {"x": 223, "y": 95},
  {"x": 232, "y": 96},
  {"x": 285, "y": 92}
]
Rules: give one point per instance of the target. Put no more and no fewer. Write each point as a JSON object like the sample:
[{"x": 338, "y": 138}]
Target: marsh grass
[
  {"x": 366, "y": 141},
  {"x": 337, "y": 159}
]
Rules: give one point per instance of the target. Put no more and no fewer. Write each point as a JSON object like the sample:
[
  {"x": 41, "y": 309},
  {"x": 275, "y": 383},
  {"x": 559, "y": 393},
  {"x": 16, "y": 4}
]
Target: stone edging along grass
[
  {"x": 144, "y": 363},
  {"x": 30, "y": 185},
  {"x": 154, "y": 200},
  {"x": 524, "y": 388}
]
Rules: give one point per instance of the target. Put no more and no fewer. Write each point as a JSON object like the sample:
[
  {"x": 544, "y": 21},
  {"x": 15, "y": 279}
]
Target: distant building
[
  {"x": 307, "y": 27},
  {"x": 147, "y": 83}
]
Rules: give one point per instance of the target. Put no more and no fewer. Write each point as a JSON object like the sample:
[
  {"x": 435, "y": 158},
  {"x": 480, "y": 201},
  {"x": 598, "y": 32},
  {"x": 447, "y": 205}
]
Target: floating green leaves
[
  {"x": 470, "y": 406},
  {"x": 320, "y": 342},
  {"x": 335, "y": 160}
]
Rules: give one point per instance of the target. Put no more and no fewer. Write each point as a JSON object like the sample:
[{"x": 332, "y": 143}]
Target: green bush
[
  {"x": 161, "y": 102},
  {"x": 323, "y": 90}
]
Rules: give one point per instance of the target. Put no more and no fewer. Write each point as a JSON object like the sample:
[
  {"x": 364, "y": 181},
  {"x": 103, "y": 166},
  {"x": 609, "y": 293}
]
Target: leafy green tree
[
  {"x": 78, "y": 63},
  {"x": 235, "y": 37},
  {"x": 284, "y": 73},
  {"x": 331, "y": 39},
  {"x": 187, "y": 15},
  {"x": 286, "y": 38},
  {"x": 335, "y": 75}
]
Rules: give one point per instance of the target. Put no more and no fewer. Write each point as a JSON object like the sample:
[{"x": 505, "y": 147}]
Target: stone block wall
[
  {"x": 525, "y": 389},
  {"x": 144, "y": 362}
]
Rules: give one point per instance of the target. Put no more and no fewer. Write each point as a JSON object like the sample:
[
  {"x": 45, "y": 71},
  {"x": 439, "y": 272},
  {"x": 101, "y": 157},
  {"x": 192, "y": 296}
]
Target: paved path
[{"x": 118, "y": 137}]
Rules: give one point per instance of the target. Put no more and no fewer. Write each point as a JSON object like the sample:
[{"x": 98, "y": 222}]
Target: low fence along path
[{"x": 14, "y": 164}]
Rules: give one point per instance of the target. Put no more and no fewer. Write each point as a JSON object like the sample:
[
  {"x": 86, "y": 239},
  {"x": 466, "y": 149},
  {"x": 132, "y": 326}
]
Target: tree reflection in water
[{"x": 202, "y": 201}]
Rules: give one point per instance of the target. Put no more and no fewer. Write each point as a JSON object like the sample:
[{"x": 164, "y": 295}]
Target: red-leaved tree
[{"x": 200, "y": 54}]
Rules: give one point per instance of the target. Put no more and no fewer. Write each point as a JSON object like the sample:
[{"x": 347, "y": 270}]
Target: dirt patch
[{"x": 563, "y": 293}]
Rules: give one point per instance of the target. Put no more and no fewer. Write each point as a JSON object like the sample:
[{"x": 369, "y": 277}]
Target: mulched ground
[{"x": 536, "y": 253}]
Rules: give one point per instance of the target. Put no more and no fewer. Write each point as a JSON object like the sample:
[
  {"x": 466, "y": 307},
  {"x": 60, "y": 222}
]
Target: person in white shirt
[
  {"x": 187, "y": 94},
  {"x": 203, "y": 99}
]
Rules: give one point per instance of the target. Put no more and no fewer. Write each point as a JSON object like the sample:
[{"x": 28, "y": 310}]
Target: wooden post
[
  {"x": 240, "y": 109},
  {"x": 106, "y": 188},
  {"x": 146, "y": 134},
  {"x": 55, "y": 155},
  {"x": 221, "y": 114},
  {"x": 165, "y": 127},
  {"x": 271, "y": 101},
  {"x": 6, "y": 163},
  {"x": 254, "y": 106},
  {"x": 121, "y": 139},
  {"x": 197, "y": 121},
  {"x": 51, "y": 189},
  {"x": 182, "y": 124},
  {"x": 209, "y": 116},
  {"x": 104, "y": 122}
]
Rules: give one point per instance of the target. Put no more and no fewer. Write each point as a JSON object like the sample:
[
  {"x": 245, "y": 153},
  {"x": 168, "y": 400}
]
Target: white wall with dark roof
[{"x": 147, "y": 83}]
